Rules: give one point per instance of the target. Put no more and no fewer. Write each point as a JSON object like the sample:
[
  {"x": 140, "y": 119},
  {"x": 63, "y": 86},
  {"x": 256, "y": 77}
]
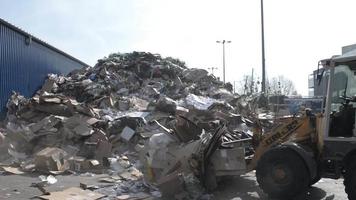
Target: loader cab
[{"x": 340, "y": 106}]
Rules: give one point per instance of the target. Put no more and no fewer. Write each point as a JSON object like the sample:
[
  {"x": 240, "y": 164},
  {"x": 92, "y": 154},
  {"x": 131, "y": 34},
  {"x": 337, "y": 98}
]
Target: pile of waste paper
[{"x": 150, "y": 121}]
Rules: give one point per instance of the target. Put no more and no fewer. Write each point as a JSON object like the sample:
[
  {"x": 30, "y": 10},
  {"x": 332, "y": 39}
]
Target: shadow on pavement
[
  {"x": 245, "y": 187},
  {"x": 241, "y": 187}
]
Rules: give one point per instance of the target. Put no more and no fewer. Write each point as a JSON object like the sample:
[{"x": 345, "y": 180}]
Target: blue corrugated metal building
[{"x": 25, "y": 62}]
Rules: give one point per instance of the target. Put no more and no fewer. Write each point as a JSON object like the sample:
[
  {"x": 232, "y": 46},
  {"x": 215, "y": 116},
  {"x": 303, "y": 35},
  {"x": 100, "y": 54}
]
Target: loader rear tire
[
  {"x": 350, "y": 179},
  {"x": 282, "y": 173},
  {"x": 316, "y": 179}
]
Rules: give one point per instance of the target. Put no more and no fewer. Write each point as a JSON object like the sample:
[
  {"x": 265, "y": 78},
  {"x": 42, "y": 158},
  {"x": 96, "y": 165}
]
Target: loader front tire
[
  {"x": 350, "y": 179},
  {"x": 282, "y": 173}
]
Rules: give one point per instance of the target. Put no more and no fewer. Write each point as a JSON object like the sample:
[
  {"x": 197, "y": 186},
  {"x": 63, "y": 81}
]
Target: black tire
[
  {"x": 282, "y": 173},
  {"x": 316, "y": 179},
  {"x": 318, "y": 175},
  {"x": 350, "y": 179}
]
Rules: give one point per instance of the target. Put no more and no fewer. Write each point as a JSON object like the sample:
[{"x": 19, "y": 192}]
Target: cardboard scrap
[
  {"x": 51, "y": 159},
  {"x": 81, "y": 125},
  {"x": 128, "y": 176},
  {"x": 137, "y": 196},
  {"x": 83, "y": 130},
  {"x": 73, "y": 193},
  {"x": 85, "y": 186},
  {"x": 111, "y": 179},
  {"x": 12, "y": 170},
  {"x": 103, "y": 150},
  {"x": 81, "y": 164}
]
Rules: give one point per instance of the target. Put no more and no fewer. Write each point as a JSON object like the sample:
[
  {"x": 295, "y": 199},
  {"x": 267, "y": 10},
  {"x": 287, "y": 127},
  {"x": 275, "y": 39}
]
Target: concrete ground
[
  {"x": 17, "y": 187},
  {"x": 245, "y": 187}
]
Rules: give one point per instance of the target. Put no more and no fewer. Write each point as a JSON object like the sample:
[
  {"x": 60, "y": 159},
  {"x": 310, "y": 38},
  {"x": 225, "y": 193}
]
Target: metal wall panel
[{"x": 24, "y": 66}]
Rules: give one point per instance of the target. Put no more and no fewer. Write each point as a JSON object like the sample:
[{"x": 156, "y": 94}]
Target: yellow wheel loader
[{"x": 303, "y": 149}]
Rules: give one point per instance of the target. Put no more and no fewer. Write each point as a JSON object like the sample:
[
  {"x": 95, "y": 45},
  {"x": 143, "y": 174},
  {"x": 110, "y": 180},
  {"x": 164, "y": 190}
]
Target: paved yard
[{"x": 16, "y": 187}]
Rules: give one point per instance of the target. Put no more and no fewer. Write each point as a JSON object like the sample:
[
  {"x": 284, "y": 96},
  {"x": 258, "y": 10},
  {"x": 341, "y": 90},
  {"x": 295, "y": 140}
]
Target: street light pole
[
  {"x": 212, "y": 69},
  {"x": 263, "y": 51},
  {"x": 223, "y": 45}
]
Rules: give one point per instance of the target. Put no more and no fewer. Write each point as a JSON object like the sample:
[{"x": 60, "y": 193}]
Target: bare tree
[
  {"x": 281, "y": 86},
  {"x": 248, "y": 85}
]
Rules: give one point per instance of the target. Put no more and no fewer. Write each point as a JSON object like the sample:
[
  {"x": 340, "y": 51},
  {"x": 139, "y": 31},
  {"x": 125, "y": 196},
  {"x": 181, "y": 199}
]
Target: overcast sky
[{"x": 298, "y": 33}]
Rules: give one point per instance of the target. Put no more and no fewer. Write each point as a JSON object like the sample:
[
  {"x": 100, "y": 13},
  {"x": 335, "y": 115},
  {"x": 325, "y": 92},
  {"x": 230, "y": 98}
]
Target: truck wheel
[
  {"x": 316, "y": 179},
  {"x": 281, "y": 173},
  {"x": 350, "y": 179}
]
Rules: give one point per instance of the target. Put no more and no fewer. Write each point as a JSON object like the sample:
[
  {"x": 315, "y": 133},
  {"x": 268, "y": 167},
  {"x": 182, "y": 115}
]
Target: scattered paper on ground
[{"x": 73, "y": 193}]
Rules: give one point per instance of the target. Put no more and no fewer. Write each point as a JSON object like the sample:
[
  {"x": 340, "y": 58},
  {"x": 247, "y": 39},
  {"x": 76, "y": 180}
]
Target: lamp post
[
  {"x": 212, "y": 69},
  {"x": 223, "y": 45},
  {"x": 263, "y": 51}
]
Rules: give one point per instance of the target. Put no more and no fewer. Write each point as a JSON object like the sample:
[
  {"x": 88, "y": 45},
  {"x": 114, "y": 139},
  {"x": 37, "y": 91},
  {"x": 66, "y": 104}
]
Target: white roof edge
[{"x": 348, "y": 56}]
